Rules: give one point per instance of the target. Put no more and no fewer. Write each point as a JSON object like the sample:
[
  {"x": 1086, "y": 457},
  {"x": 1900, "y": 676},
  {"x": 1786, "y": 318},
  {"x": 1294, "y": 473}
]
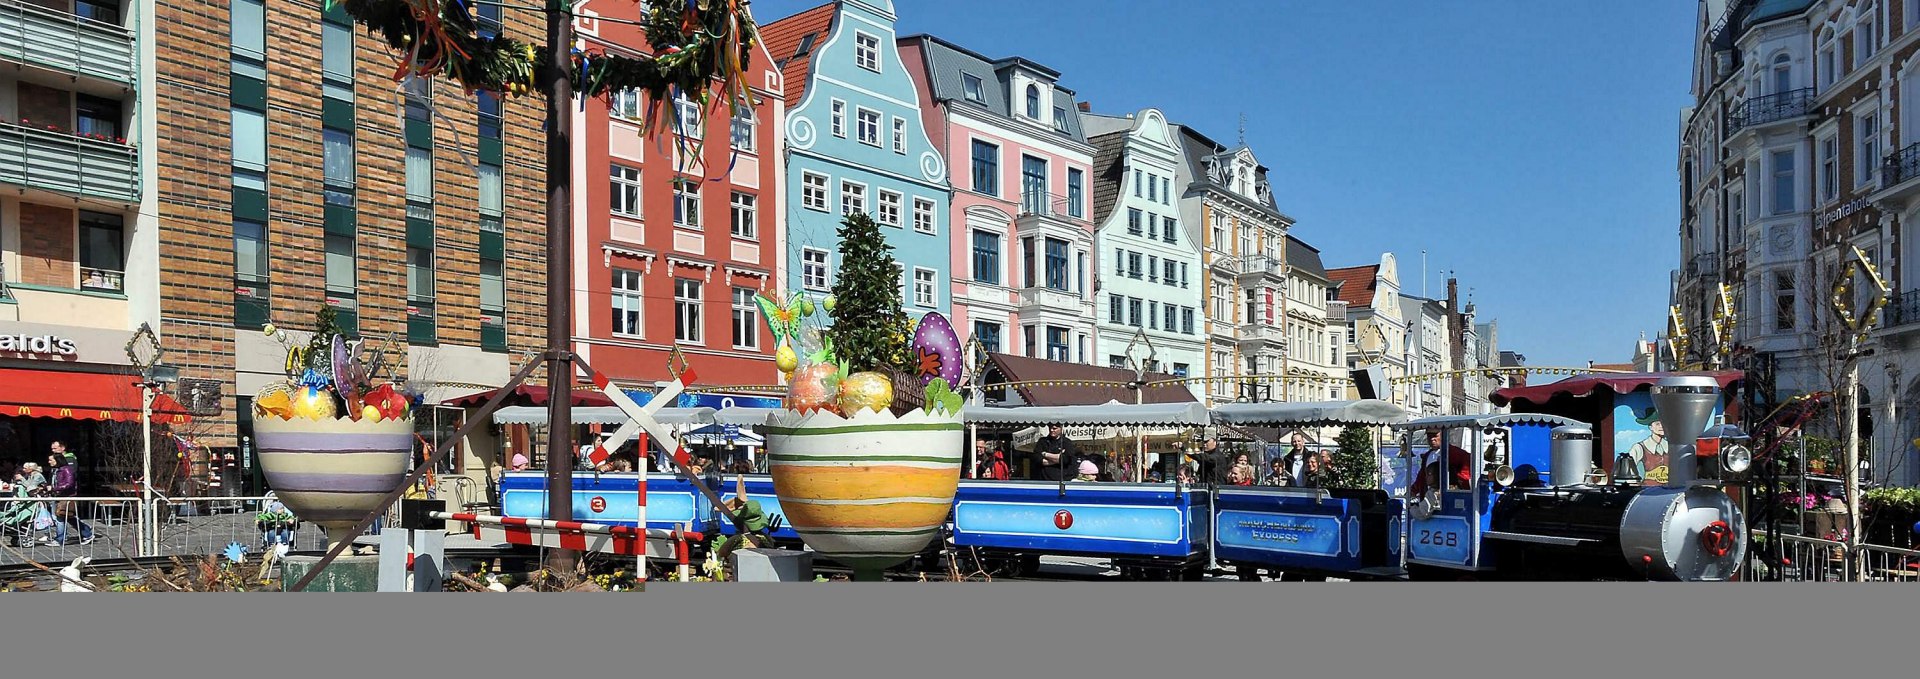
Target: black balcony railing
[
  {"x": 1903, "y": 309},
  {"x": 1902, "y": 165},
  {"x": 1770, "y": 108}
]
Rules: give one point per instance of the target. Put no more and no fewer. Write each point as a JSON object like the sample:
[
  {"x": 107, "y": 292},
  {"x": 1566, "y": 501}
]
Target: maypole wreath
[{"x": 698, "y": 41}]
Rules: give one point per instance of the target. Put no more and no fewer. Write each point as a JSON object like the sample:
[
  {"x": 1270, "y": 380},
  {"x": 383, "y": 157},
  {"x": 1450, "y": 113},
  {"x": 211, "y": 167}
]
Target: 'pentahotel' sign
[{"x": 38, "y": 345}]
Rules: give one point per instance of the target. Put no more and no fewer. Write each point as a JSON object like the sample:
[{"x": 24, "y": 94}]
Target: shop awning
[
  {"x": 600, "y": 415},
  {"x": 1111, "y": 413},
  {"x": 80, "y": 396},
  {"x": 1362, "y": 412}
]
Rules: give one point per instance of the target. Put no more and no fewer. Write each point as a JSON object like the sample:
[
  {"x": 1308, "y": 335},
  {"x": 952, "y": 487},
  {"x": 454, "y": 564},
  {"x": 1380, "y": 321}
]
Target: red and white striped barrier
[
  {"x": 643, "y": 420},
  {"x": 579, "y": 535}
]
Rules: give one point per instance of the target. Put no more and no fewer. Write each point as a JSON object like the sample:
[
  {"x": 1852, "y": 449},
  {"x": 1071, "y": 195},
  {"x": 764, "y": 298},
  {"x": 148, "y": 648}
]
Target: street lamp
[{"x": 144, "y": 351}]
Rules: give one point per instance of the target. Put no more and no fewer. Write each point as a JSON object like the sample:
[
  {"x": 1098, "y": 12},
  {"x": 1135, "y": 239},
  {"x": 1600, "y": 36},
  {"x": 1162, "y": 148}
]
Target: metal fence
[
  {"x": 1799, "y": 558},
  {"x": 97, "y": 527}
]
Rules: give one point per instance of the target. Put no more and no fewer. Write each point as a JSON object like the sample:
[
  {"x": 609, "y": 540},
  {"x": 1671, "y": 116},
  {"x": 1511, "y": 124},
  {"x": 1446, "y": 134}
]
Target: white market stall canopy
[
  {"x": 744, "y": 416},
  {"x": 1111, "y": 413},
  {"x": 537, "y": 415},
  {"x": 1362, "y": 412},
  {"x": 1483, "y": 421}
]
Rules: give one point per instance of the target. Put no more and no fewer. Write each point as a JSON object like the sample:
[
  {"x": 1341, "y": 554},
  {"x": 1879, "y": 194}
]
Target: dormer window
[
  {"x": 866, "y": 51},
  {"x": 1060, "y": 118},
  {"x": 972, "y": 84},
  {"x": 1033, "y": 101}
]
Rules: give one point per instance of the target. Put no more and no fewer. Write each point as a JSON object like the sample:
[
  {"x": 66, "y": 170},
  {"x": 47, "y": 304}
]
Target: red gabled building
[{"x": 674, "y": 234}]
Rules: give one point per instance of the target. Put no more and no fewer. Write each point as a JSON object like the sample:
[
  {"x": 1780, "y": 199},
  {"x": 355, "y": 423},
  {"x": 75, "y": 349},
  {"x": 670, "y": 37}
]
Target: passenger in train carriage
[{"x": 1459, "y": 460}]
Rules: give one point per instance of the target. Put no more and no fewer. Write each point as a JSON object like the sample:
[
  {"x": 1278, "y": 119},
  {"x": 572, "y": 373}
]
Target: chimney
[
  {"x": 1457, "y": 345},
  {"x": 1086, "y": 107}
]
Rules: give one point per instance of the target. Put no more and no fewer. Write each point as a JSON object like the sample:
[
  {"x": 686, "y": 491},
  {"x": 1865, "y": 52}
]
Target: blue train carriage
[
  {"x": 1147, "y": 530},
  {"x": 1448, "y": 524},
  {"x": 1308, "y": 533},
  {"x": 612, "y": 498}
]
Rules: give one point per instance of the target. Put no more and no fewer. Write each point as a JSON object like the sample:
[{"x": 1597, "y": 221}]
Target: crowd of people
[
  {"x": 1056, "y": 457},
  {"x": 29, "y": 522}
]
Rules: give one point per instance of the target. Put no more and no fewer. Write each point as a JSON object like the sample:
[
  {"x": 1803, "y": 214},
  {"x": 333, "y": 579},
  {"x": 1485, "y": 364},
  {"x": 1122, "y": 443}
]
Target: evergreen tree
[
  {"x": 868, "y": 323},
  {"x": 1355, "y": 464}
]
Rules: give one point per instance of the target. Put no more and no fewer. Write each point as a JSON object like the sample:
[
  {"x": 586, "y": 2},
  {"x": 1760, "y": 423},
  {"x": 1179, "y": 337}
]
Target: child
[{"x": 1088, "y": 471}]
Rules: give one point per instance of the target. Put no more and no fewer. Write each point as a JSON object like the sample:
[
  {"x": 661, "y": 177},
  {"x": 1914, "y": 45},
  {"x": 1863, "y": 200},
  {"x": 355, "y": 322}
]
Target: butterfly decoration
[{"x": 784, "y": 319}]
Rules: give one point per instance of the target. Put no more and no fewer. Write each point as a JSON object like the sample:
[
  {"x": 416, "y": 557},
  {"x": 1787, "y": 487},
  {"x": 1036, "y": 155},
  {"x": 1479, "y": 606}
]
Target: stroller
[
  {"x": 21, "y": 521},
  {"x": 276, "y": 523}
]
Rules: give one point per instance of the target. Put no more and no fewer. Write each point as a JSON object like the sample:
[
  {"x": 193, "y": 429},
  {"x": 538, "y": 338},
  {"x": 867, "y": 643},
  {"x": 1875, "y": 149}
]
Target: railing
[
  {"x": 1705, "y": 265},
  {"x": 1045, "y": 204},
  {"x": 1262, "y": 265},
  {"x": 1887, "y": 564},
  {"x": 67, "y": 42},
  {"x": 1049, "y": 297},
  {"x": 99, "y": 527},
  {"x": 68, "y": 164},
  {"x": 1900, "y": 166},
  {"x": 1258, "y": 332},
  {"x": 102, "y": 280},
  {"x": 1903, "y": 309},
  {"x": 1770, "y": 108}
]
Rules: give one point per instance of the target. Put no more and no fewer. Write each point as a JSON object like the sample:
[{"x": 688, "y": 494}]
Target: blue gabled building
[{"x": 856, "y": 141}]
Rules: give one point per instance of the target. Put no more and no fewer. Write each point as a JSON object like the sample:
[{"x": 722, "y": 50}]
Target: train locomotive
[{"x": 1574, "y": 527}]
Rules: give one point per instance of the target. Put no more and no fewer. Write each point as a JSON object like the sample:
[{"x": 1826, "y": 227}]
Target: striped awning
[{"x": 81, "y": 396}]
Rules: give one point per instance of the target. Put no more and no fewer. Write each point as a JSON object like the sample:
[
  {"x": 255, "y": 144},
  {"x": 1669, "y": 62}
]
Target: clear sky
[{"x": 1527, "y": 146}]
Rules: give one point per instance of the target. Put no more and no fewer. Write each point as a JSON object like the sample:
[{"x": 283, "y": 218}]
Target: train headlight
[{"x": 1736, "y": 458}]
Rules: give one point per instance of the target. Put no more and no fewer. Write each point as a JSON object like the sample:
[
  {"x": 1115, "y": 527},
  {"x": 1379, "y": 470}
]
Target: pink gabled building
[{"x": 1024, "y": 265}]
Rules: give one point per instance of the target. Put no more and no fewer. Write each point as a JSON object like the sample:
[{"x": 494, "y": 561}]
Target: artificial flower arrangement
[
  {"x": 874, "y": 356},
  {"x": 327, "y": 378}
]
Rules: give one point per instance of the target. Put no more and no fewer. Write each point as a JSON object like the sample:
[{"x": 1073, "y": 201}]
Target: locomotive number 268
[{"x": 1439, "y": 538}]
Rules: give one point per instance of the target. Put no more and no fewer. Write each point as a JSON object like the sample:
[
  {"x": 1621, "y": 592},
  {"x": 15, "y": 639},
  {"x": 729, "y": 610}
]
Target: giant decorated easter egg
[
  {"x": 808, "y": 391},
  {"x": 936, "y": 350}
]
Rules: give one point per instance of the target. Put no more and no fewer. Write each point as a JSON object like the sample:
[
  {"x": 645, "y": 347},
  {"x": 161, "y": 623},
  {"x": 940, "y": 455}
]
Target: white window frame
[
  {"x": 745, "y": 217},
  {"x": 868, "y": 134},
  {"x": 692, "y": 121},
  {"x": 838, "y": 118},
  {"x": 1829, "y": 177},
  {"x": 616, "y": 198},
  {"x": 925, "y": 281},
  {"x": 630, "y": 299},
  {"x": 746, "y": 314},
  {"x": 900, "y": 135},
  {"x": 625, "y": 105},
  {"x": 848, "y": 194},
  {"x": 688, "y": 309},
  {"x": 814, "y": 196},
  {"x": 865, "y": 56},
  {"x": 924, "y": 213},
  {"x": 808, "y": 264},
  {"x": 1866, "y": 149},
  {"x": 744, "y": 127},
  {"x": 686, "y": 204},
  {"x": 887, "y": 207}
]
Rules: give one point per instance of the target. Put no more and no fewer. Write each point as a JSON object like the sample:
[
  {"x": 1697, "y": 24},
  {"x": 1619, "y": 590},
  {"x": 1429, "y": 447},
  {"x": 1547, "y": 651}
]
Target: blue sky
[{"x": 1527, "y": 146}]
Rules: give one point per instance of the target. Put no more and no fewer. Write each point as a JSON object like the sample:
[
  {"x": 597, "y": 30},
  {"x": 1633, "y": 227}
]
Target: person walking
[{"x": 66, "y": 484}]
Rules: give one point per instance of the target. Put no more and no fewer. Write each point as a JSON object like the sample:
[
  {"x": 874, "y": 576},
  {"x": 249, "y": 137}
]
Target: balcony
[
  {"x": 69, "y": 165},
  {"x": 1769, "y": 109},
  {"x": 1042, "y": 300},
  {"x": 1048, "y": 213},
  {"x": 1704, "y": 266},
  {"x": 1260, "y": 333},
  {"x": 1902, "y": 313},
  {"x": 67, "y": 44},
  {"x": 1898, "y": 172},
  {"x": 1257, "y": 267}
]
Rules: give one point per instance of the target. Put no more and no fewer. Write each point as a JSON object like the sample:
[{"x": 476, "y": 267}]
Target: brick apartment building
[{"x": 243, "y": 164}]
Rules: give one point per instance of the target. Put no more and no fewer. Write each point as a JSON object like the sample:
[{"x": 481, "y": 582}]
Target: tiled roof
[
  {"x": 1021, "y": 369},
  {"x": 1356, "y": 284},
  {"x": 785, "y": 37}
]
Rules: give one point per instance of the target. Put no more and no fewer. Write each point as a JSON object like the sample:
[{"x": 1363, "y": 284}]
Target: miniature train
[{"x": 1538, "y": 512}]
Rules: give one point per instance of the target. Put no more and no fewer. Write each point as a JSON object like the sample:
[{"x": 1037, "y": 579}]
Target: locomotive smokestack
[
  {"x": 1572, "y": 455},
  {"x": 1684, "y": 405}
]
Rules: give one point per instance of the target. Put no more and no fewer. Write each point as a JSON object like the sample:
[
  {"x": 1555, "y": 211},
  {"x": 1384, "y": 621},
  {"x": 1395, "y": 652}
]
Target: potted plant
[
  {"x": 867, "y": 453},
  {"x": 332, "y": 442}
]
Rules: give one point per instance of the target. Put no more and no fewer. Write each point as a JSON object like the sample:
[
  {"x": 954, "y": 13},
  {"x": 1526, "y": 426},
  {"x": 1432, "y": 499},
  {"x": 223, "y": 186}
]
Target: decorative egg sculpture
[
  {"x": 808, "y": 391},
  {"x": 865, "y": 391},
  {"x": 314, "y": 404},
  {"x": 936, "y": 350}
]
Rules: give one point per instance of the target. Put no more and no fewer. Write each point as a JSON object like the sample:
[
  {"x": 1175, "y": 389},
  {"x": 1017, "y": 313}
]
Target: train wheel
[
  {"x": 1247, "y": 573},
  {"x": 1029, "y": 565}
]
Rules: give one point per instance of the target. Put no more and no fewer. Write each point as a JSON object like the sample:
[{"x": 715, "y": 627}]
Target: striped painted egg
[
  {"x": 333, "y": 472},
  {"x": 868, "y": 491}
]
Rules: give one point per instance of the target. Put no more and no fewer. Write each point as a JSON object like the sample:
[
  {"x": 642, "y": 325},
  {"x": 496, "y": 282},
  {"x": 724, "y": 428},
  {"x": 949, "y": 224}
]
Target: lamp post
[{"x": 144, "y": 352}]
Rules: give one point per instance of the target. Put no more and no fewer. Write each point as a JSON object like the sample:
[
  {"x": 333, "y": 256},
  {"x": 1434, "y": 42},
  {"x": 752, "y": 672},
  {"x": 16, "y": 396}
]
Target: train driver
[{"x": 1459, "y": 460}]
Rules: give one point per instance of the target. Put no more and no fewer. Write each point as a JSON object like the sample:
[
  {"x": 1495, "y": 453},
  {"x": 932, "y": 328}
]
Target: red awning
[
  {"x": 530, "y": 395},
  {"x": 80, "y": 396},
  {"x": 1618, "y": 383}
]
